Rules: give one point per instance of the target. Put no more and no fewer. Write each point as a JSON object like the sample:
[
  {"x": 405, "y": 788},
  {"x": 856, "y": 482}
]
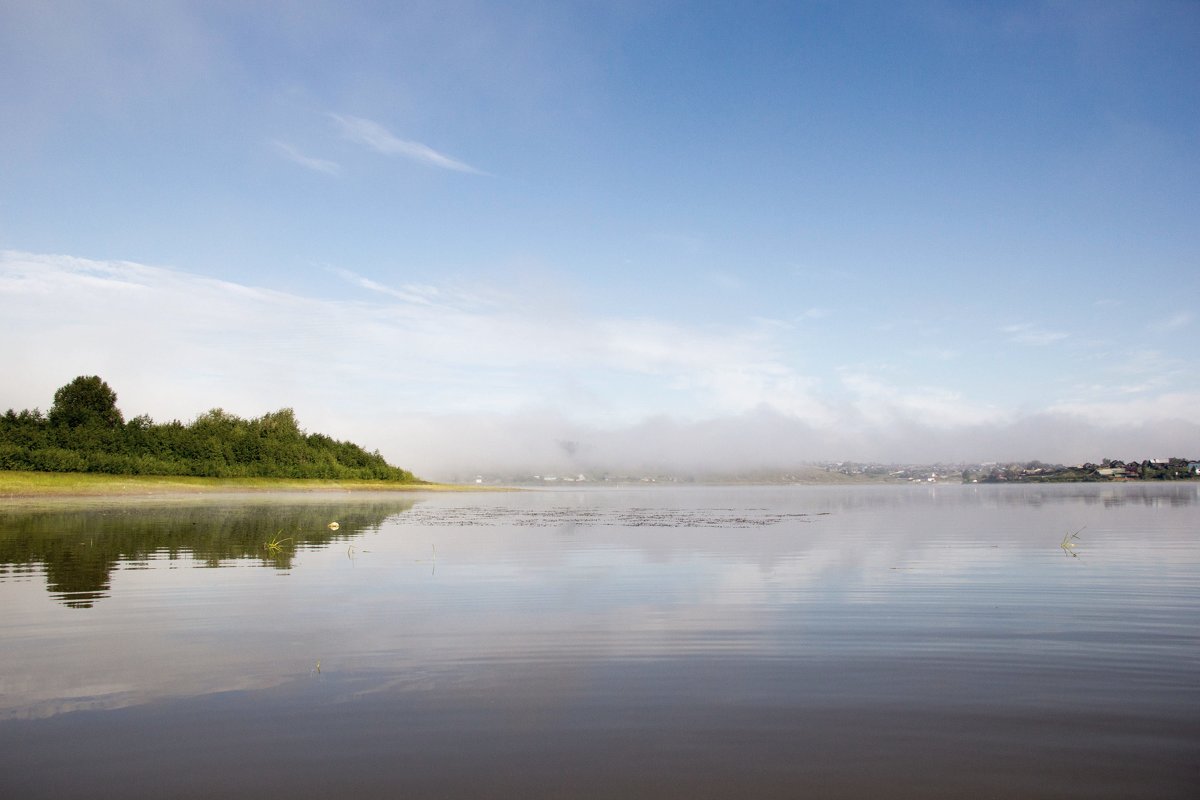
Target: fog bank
[{"x": 451, "y": 446}]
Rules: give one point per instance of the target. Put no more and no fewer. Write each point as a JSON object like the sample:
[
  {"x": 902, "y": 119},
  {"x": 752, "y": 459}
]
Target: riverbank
[{"x": 16, "y": 484}]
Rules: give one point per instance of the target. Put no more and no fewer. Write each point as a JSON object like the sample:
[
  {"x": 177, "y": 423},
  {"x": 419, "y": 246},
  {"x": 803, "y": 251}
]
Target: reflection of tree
[
  {"x": 79, "y": 575},
  {"x": 79, "y": 548}
]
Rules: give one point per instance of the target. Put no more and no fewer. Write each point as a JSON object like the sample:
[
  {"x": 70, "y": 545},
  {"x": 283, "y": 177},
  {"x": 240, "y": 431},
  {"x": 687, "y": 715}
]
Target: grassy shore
[{"x": 76, "y": 484}]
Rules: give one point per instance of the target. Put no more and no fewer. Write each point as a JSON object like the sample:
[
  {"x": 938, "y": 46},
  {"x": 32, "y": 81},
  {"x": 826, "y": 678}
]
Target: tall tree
[{"x": 86, "y": 400}]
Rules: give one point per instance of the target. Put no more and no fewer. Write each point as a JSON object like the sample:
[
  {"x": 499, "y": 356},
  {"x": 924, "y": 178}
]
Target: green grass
[
  {"x": 82, "y": 484},
  {"x": 275, "y": 545}
]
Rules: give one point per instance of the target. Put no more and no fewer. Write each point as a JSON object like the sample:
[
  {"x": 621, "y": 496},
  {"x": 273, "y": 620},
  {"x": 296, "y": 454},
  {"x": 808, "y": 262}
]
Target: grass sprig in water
[
  {"x": 1068, "y": 543},
  {"x": 275, "y": 544}
]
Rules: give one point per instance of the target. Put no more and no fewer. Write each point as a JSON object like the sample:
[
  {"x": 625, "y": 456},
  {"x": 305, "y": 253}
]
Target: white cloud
[
  {"x": 315, "y": 164},
  {"x": 378, "y": 138},
  {"x": 1138, "y": 409},
  {"x": 1027, "y": 333},
  {"x": 175, "y": 344},
  {"x": 1130, "y": 372},
  {"x": 882, "y": 404},
  {"x": 441, "y": 381}
]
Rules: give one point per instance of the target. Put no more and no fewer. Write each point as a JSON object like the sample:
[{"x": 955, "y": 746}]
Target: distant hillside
[{"x": 86, "y": 432}]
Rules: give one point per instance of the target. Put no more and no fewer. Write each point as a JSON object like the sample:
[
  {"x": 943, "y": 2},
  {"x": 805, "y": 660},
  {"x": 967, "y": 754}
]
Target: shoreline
[{"x": 19, "y": 485}]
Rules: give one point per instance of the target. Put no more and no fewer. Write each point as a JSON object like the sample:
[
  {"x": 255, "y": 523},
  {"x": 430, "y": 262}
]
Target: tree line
[{"x": 85, "y": 431}]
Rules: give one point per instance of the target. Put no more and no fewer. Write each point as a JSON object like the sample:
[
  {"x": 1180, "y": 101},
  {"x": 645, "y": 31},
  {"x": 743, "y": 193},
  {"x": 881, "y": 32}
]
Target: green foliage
[
  {"x": 87, "y": 400},
  {"x": 85, "y": 432}
]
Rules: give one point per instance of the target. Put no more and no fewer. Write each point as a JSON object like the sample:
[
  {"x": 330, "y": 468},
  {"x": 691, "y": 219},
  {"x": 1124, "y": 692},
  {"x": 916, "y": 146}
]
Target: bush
[{"x": 57, "y": 459}]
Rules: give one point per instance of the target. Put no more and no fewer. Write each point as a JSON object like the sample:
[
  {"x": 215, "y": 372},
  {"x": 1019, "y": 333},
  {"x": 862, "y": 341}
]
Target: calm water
[{"x": 694, "y": 642}]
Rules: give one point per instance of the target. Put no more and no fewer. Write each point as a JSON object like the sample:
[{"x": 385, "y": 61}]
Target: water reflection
[
  {"x": 754, "y": 641},
  {"x": 77, "y": 548}
]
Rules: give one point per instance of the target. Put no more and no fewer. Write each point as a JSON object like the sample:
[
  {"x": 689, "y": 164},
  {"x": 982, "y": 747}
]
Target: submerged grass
[{"x": 16, "y": 484}]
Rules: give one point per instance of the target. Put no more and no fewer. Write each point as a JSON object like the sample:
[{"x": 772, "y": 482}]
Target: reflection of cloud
[
  {"x": 152, "y": 661},
  {"x": 381, "y": 140},
  {"x": 530, "y": 599}
]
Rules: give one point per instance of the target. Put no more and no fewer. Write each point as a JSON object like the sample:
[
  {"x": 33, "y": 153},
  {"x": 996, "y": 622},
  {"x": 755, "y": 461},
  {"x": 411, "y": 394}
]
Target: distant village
[{"x": 1155, "y": 469}]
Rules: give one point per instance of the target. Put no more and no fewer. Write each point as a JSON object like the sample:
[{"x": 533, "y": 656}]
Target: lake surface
[{"x": 886, "y": 641}]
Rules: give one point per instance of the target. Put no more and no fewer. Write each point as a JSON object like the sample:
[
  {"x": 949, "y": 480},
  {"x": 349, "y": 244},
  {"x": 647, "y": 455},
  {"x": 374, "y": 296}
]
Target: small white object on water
[{"x": 333, "y": 526}]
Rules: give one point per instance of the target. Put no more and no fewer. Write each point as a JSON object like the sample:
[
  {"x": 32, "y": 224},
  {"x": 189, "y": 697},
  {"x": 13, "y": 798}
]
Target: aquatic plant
[
  {"x": 1068, "y": 543},
  {"x": 275, "y": 544},
  {"x": 432, "y": 559}
]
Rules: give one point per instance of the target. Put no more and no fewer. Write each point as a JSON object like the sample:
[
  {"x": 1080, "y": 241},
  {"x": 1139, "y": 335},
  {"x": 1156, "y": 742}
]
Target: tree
[
  {"x": 87, "y": 399},
  {"x": 86, "y": 432}
]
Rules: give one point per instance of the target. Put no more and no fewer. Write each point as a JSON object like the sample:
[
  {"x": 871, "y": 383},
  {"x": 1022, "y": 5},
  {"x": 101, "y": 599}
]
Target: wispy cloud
[
  {"x": 380, "y": 139},
  {"x": 421, "y": 295},
  {"x": 1173, "y": 322},
  {"x": 1028, "y": 333},
  {"x": 315, "y": 164}
]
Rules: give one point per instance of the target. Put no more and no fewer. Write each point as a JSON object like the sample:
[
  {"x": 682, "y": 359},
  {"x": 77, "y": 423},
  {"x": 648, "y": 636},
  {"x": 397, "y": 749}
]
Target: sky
[{"x": 575, "y": 236}]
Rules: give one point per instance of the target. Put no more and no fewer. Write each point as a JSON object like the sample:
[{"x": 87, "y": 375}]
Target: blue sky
[{"x": 674, "y": 233}]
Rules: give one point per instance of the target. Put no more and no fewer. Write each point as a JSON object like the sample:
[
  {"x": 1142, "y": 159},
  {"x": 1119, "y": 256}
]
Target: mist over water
[{"x": 453, "y": 447}]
